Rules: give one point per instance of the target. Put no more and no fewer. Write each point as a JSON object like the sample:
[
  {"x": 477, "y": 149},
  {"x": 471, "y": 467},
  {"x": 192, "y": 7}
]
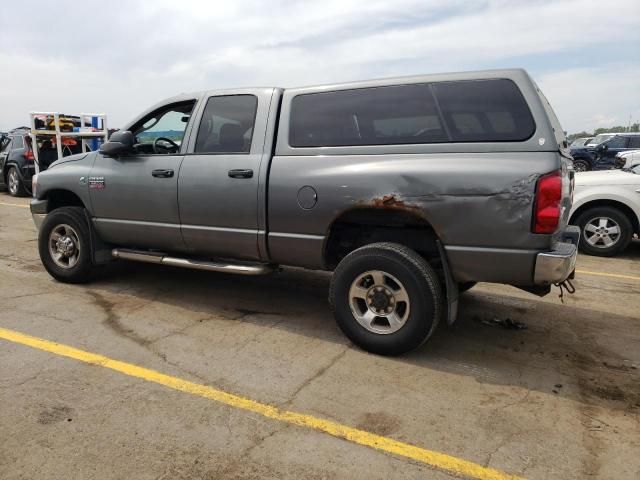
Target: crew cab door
[
  {"x": 220, "y": 178},
  {"x": 608, "y": 150},
  {"x": 134, "y": 197}
]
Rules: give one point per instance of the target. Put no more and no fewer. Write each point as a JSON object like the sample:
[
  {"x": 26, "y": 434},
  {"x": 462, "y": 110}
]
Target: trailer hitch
[{"x": 565, "y": 285}]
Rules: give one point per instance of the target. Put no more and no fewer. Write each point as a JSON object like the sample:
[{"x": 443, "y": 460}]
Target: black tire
[
  {"x": 18, "y": 190},
  {"x": 581, "y": 165},
  {"x": 614, "y": 216},
  {"x": 417, "y": 278},
  {"x": 466, "y": 286},
  {"x": 75, "y": 218}
]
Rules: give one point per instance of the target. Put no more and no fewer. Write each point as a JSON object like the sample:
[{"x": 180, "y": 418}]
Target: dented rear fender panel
[{"x": 480, "y": 205}]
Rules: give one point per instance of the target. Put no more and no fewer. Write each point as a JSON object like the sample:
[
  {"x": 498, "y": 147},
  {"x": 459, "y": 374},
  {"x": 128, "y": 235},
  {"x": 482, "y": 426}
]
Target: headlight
[{"x": 34, "y": 185}]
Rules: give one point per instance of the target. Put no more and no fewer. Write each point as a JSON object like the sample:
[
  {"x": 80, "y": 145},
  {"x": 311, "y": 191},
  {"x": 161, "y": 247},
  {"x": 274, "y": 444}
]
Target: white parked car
[
  {"x": 628, "y": 158},
  {"x": 606, "y": 207}
]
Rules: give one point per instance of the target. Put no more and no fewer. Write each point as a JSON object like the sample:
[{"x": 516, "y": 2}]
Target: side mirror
[
  {"x": 119, "y": 143},
  {"x": 602, "y": 147}
]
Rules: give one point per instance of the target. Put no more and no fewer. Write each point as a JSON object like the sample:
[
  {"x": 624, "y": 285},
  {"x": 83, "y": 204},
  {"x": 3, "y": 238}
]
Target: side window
[
  {"x": 227, "y": 125},
  {"x": 634, "y": 142},
  {"x": 163, "y": 131},
  {"x": 484, "y": 111},
  {"x": 617, "y": 142},
  {"x": 474, "y": 111},
  {"x": 394, "y": 115}
]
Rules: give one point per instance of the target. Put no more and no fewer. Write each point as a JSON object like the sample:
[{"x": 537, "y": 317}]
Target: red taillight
[
  {"x": 547, "y": 204},
  {"x": 28, "y": 155}
]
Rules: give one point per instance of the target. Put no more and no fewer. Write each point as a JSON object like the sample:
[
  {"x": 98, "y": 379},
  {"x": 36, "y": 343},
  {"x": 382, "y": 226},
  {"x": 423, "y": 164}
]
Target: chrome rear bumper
[{"x": 559, "y": 264}]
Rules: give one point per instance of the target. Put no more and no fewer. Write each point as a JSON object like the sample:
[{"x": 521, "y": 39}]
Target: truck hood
[
  {"x": 607, "y": 177},
  {"x": 70, "y": 158}
]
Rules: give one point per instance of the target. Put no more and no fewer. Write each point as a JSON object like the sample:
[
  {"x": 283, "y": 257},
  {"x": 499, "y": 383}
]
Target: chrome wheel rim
[
  {"x": 379, "y": 302},
  {"x": 579, "y": 166},
  {"x": 602, "y": 232},
  {"x": 13, "y": 181},
  {"x": 64, "y": 246}
]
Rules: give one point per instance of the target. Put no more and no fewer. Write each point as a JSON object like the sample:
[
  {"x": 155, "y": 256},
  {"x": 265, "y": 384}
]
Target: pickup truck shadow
[
  {"x": 548, "y": 347},
  {"x": 563, "y": 351}
]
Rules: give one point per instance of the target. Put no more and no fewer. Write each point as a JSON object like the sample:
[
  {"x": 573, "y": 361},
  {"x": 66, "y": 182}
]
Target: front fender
[{"x": 68, "y": 176}]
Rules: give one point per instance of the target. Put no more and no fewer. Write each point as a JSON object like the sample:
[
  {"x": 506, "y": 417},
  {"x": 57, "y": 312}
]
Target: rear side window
[
  {"x": 227, "y": 125},
  {"x": 617, "y": 142},
  {"x": 465, "y": 111},
  {"x": 369, "y": 116},
  {"x": 484, "y": 111},
  {"x": 17, "y": 142},
  {"x": 634, "y": 142}
]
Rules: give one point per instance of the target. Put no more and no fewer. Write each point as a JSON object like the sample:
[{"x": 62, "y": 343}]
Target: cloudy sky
[{"x": 119, "y": 57}]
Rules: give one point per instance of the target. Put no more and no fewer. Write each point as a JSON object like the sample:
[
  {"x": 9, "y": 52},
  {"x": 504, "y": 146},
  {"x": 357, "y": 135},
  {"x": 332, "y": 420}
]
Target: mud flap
[
  {"x": 451, "y": 287},
  {"x": 100, "y": 251}
]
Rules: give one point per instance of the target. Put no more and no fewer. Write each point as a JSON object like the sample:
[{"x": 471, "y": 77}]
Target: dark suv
[
  {"x": 16, "y": 162},
  {"x": 603, "y": 155}
]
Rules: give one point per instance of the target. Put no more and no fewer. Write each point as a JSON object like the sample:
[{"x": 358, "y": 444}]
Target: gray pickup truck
[{"x": 409, "y": 189}]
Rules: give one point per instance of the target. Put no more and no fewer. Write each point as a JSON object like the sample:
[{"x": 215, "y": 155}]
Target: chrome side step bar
[{"x": 163, "y": 259}]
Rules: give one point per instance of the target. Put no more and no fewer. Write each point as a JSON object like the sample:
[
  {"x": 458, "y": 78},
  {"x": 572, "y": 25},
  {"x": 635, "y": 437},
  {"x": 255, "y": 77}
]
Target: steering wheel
[{"x": 168, "y": 140}]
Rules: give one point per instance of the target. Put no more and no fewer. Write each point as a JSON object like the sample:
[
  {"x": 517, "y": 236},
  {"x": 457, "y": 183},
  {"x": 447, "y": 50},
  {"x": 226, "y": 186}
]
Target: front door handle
[
  {"x": 163, "y": 173},
  {"x": 241, "y": 173}
]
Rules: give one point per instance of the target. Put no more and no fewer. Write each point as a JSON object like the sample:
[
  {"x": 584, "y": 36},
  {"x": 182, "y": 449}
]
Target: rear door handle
[
  {"x": 162, "y": 173},
  {"x": 241, "y": 173}
]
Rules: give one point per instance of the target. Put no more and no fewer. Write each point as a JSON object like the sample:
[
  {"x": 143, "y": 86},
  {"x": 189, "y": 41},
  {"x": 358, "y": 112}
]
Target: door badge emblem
[{"x": 96, "y": 183}]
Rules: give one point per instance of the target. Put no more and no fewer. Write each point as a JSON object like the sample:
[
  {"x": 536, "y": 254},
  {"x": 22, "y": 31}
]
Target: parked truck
[{"x": 409, "y": 189}]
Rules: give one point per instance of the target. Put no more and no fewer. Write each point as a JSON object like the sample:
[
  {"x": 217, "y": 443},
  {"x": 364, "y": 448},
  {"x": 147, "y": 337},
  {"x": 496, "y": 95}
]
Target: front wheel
[
  {"x": 386, "y": 298},
  {"x": 64, "y": 245},
  {"x": 604, "y": 231}
]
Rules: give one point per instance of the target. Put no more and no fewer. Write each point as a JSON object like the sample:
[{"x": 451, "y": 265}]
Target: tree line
[{"x": 618, "y": 129}]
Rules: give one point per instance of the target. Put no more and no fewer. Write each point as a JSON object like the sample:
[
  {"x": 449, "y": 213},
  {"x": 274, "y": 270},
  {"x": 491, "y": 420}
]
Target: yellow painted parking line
[
  {"x": 434, "y": 459},
  {"x": 610, "y": 275},
  {"x": 14, "y": 205}
]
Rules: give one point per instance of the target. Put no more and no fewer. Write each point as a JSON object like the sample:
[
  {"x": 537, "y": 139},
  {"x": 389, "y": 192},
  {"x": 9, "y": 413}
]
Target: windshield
[
  {"x": 598, "y": 139},
  {"x": 636, "y": 169}
]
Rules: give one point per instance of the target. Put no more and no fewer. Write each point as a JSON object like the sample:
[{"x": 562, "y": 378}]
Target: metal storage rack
[{"x": 83, "y": 134}]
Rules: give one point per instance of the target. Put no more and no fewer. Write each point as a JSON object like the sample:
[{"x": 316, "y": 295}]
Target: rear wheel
[
  {"x": 604, "y": 231},
  {"x": 386, "y": 298},
  {"x": 14, "y": 183},
  {"x": 64, "y": 245},
  {"x": 581, "y": 165}
]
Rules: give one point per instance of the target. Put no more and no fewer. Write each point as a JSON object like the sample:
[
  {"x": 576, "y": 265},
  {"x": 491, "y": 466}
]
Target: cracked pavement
[{"x": 560, "y": 399}]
